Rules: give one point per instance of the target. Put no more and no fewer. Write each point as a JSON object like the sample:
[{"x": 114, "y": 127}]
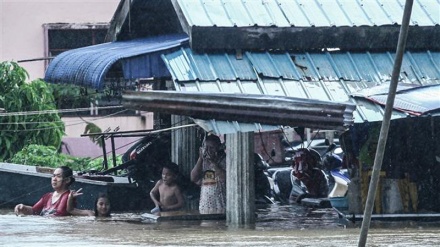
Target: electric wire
[
  {"x": 66, "y": 125},
  {"x": 66, "y": 120},
  {"x": 29, "y": 113}
]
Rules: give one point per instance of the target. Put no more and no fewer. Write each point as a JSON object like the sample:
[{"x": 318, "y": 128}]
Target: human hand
[
  {"x": 18, "y": 209},
  {"x": 155, "y": 210},
  {"x": 201, "y": 152},
  {"x": 75, "y": 193}
]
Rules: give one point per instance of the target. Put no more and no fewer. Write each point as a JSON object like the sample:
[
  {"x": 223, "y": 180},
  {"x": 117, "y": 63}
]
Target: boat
[{"x": 27, "y": 184}]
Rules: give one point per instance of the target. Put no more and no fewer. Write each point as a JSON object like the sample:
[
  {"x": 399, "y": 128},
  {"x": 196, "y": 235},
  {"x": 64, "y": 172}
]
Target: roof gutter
[{"x": 247, "y": 108}]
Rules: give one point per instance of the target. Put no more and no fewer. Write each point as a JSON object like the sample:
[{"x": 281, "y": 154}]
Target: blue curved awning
[{"x": 88, "y": 66}]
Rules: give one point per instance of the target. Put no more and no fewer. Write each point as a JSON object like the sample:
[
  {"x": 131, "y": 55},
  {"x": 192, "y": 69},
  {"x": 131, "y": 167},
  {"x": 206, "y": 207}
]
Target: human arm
[
  {"x": 196, "y": 172},
  {"x": 21, "y": 209},
  {"x": 154, "y": 194},
  {"x": 71, "y": 205}
]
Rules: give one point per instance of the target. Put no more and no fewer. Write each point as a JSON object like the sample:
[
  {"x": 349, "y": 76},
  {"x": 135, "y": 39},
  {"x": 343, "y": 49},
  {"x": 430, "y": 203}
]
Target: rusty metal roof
[
  {"x": 306, "y": 13},
  {"x": 306, "y": 24},
  {"x": 413, "y": 100},
  {"x": 303, "y": 25},
  {"x": 329, "y": 76}
]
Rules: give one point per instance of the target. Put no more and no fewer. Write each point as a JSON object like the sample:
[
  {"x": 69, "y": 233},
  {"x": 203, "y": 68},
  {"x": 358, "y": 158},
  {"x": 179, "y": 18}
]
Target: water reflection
[{"x": 276, "y": 225}]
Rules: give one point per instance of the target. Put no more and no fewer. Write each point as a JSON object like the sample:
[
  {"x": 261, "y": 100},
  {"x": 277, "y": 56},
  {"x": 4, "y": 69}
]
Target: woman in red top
[{"x": 53, "y": 203}]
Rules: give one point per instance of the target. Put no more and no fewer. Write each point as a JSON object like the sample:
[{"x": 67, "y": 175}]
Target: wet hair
[
  {"x": 102, "y": 195},
  {"x": 311, "y": 157},
  {"x": 67, "y": 173},
  {"x": 173, "y": 167},
  {"x": 214, "y": 139}
]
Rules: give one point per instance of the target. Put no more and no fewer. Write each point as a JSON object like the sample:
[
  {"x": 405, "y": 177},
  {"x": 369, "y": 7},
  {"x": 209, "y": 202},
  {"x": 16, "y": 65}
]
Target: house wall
[
  {"x": 74, "y": 126},
  {"x": 78, "y": 146},
  {"x": 23, "y": 37},
  {"x": 21, "y": 26}
]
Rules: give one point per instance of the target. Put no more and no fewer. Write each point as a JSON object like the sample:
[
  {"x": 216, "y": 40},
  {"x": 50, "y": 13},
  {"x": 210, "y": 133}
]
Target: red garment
[{"x": 45, "y": 207}]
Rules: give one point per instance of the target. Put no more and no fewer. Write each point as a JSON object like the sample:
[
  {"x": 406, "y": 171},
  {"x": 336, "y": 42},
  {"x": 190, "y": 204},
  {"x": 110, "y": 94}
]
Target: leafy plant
[
  {"x": 48, "y": 156},
  {"x": 72, "y": 96},
  {"x": 92, "y": 128},
  {"x": 27, "y": 120}
]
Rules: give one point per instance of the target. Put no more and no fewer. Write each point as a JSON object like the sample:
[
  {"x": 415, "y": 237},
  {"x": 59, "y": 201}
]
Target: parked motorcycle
[
  {"x": 338, "y": 177},
  {"x": 311, "y": 176},
  {"x": 263, "y": 181}
]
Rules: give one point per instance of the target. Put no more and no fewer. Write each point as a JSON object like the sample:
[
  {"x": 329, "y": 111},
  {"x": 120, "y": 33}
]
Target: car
[{"x": 320, "y": 145}]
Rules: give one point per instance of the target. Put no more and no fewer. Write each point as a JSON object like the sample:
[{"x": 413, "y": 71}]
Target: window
[{"x": 62, "y": 37}]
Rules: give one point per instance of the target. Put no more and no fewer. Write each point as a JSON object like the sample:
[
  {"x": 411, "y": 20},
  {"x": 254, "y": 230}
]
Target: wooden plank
[
  {"x": 182, "y": 215},
  {"x": 394, "y": 217},
  {"x": 316, "y": 202}
]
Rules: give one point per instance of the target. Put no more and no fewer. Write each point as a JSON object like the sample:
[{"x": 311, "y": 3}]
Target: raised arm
[
  {"x": 196, "y": 172},
  {"x": 71, "y": 205}
]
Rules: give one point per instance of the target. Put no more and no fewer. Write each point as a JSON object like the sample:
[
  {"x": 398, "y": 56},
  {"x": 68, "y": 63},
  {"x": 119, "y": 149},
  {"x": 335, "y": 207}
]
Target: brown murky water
[{"x": 276, "y": 226}]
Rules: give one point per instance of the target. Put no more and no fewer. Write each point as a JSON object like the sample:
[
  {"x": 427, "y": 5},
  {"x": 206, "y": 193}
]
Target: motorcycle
[
  {"x": 263, "y": 181},
  {"x": 312, "y": 176},
  {"x": 338, "y": 177}
]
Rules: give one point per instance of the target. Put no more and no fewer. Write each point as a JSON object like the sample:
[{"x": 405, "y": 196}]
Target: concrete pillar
[{"x": 240, "y": 192}]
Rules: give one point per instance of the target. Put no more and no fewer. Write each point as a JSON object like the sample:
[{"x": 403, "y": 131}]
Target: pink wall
[{"x": 21, "y": 25}]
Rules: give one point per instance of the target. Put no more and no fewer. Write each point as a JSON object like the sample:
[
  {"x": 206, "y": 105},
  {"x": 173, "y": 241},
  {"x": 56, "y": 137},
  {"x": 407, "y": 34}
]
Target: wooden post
[{"x": 240, "y": 191}]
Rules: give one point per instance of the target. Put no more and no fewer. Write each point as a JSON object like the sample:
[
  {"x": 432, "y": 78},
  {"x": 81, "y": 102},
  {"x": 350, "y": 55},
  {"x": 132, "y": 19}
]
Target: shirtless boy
[{"x": 166, "y": 194}]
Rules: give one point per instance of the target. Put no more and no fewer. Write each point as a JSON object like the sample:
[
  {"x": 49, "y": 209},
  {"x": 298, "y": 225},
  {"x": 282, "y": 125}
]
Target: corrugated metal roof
[
  {"x": 331, "y": 76},
  {"x": 364, "y": 68},
  {"x": 88, "y": 66},
  {"x": 414, "y": 100},
  {"x": 306, "y": 13}
]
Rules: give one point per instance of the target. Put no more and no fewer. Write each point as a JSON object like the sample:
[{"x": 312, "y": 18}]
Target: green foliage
[
  {"x": 97, "y": 164},
  {"x": 92, "y": 128},
  {"x": 71, "y": 96},
  {"x": 17, "y": 95},
  {"x": 48, "y": 156}
]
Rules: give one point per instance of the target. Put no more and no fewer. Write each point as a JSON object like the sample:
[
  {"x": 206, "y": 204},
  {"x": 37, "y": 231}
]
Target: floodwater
[{"x": 288, "y": 225}]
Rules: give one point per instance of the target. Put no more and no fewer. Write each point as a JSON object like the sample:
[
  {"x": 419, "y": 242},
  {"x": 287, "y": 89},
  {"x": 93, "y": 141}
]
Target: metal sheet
[
  {"x": 330, "y": 76},
  {"x": 88, "y": 66},
  {"x": 417, "y": 101},
  {"x": 306, "y": 13},
  {"x": 246, "y": 108}
]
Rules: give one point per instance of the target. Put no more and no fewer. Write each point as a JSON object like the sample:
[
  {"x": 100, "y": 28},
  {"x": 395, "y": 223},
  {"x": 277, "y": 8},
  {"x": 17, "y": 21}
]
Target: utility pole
[{"x": 385, "y": 123}]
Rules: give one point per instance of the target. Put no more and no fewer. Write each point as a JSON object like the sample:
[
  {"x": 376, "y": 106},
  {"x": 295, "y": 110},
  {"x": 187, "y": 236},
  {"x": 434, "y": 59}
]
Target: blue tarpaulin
[{"x": 139, "y": 58}]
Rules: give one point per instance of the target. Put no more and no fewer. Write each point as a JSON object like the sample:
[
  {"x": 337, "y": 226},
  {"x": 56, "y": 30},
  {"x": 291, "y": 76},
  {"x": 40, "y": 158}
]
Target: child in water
[
  {"x": 102, "y": 205},
  {"x": 166, "y": 194}
]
